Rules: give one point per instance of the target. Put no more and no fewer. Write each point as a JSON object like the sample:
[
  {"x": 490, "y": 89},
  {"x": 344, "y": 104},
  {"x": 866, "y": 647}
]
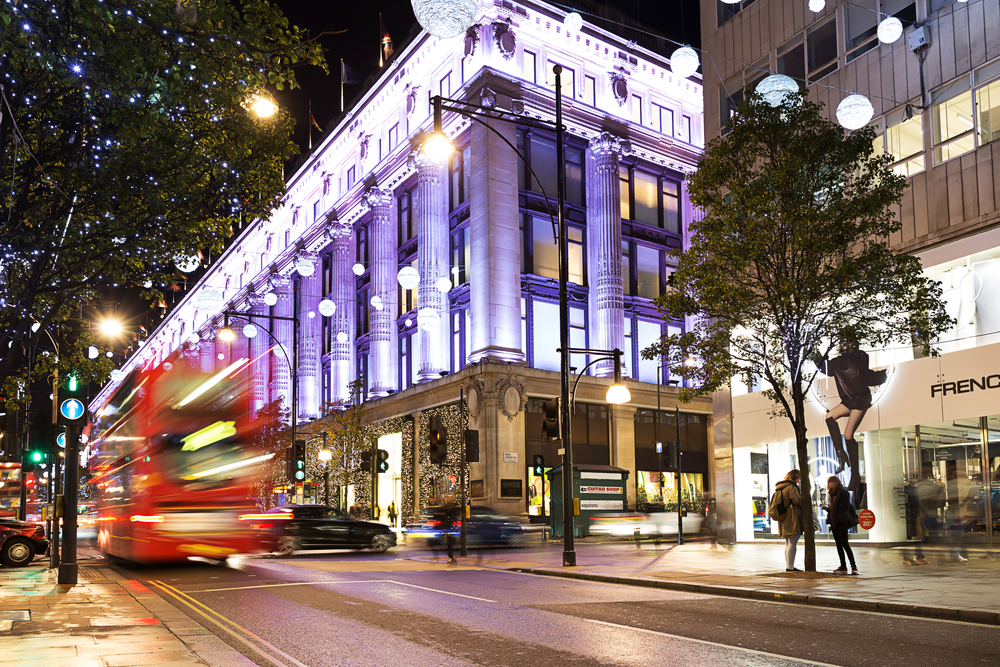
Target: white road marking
[
  {"x": 339, "y": 583},
  {"x": 803, "y": 661}
]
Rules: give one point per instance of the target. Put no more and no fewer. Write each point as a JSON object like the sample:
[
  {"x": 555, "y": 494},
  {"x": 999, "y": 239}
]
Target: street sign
[
  {"x": 61, "y": 440},
  {"x": 866, "y": 519},
  {"x": 71, "y": 409}
]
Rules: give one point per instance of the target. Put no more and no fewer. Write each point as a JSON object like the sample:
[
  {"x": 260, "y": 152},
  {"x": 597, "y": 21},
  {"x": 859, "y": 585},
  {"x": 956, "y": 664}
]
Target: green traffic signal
[
  {"x": 71, "y": 383},
  {"x": 37, "y": 457}
]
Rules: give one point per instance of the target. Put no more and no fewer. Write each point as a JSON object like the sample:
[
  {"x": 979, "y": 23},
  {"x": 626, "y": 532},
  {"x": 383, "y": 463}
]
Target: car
[
  {"x": 20, "y": 542},
  {"x": 484, "y": 526},
  {"x": 313, "y": 527}
]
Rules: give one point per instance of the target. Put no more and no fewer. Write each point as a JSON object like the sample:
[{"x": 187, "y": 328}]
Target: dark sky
[{"x": 359, "y": 45}]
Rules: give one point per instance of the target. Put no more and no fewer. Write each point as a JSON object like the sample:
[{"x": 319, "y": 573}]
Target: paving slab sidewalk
[
  {"x": 105, "y": 620},
  {"x": 944, "y": 588}
]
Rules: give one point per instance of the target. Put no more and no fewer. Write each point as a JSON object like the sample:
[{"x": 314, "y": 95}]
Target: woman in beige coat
[{"x": 786, "y": 492}]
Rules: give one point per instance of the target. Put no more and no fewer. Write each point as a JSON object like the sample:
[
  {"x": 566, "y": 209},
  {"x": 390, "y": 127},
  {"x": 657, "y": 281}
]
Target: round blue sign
[
  {"x": 61, "y": 440},
  {"x": 71, "y": 409}
]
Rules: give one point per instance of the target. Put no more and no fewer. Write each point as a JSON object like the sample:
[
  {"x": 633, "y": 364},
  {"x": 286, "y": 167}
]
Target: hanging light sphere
[
  {"x": 408, "y": 322},
  {"x": 210, "y": 300},
  {"x": 445, "y": 18},
  {"x": 443, "y": 284},
  {"x": 341, "y": 337},
  {"x": 187, "y": 264},
  {"x": 817, "y": 5},
  {"x": 147, "y": 284},
  {"x": 854, "y": 111},
  {"x": 408, "y": 277},
  {"x": 194, "y": 338},
  {"x": 117, "y": 375},
  {"x": 376, "y": 302},
  {"x": 573, "y": 22},
  {"x": 358, "y": 269},
  {"x": 109, "y": 354},
  {"x": 775, "y": 88},
  {"x": 428, "y": 319},
  {"x": 890, "y": 29},
  {"x": 327, "y": 308},
  {"x": 250, "y": 331},
  {"x": 684, "y": 61},
  {"x": 730, "y": 2},
  {"x": 305, "y": 266},
  {"x": 92, "y": 352},
  {"x": 270, "y": 298}
]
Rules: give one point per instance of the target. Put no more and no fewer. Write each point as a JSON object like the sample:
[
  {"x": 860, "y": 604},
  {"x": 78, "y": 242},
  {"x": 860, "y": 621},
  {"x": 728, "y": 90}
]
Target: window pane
[
  {"x": 822, "y": 45},
  {"x": 637, "y": 109},
  {"x": 646, "y": 209},
  {"x": 648, "y": 271},
  {"x": 861, "y": 20},
  {"x": 543, "y": 163},
  {"x": 905, "y": 138},
  {"x": 568, "y": 90},
  {"x": 626, "y": 270},
  {"x": 467, "y": 173},
  {"x": 671, "y": 208},
  {"x": 953, "y": 117},
  {"x": 589, "y": 90},
  {"x": 730, "y": 96},
  {"x": 546, "y": 336},
  {"x": 957, "y": 147},
  {"x": 574, "y": 176},
  {"x": 988, "y": 104},
  {"x": 529, "y": 66},
  {"x": 793, "y": 63},
  {"x": 648, "y": 333},
  {"x": 623, "y": 179},
  {"x": 544, "y": 255},
  {"x": 575, "y": 251}
]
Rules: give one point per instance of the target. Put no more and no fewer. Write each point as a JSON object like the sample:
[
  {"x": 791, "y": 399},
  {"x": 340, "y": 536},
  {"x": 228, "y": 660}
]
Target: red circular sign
[{"x": 866, "y": 519}]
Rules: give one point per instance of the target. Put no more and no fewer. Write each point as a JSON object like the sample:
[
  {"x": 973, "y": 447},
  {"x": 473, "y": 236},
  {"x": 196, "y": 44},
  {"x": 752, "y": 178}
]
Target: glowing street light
[
  {"x": 263, "y": 106},
  {"x": 110, "y": 327},
  {"x": 227, "y": 335}
]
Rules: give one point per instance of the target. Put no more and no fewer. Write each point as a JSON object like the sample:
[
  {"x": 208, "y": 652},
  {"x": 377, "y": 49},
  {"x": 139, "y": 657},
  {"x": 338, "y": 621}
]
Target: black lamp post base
[
  {"x": 569, "y": 559},
  {"x": 68, "y": 573}
]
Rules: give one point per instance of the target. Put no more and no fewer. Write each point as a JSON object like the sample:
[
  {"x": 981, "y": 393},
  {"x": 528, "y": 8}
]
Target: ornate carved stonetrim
[
  {"x": 377, "y": 197},
  {"x": 606, "y": 145},
  {"x": 427, "y": 169},
  {"x": 336, "y": 229},
  {"x": 511, "y": 396},
  {"x": 619, "y": 86},
  {"x": 474, "y": 395},
  {"x": 505, "y": 39}
]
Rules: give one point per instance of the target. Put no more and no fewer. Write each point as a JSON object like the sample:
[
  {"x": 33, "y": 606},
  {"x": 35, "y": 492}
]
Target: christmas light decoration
[
  {"x": 443, "y": 284},
  {"x": 889, "y": 30},
  {"x": 327, "y": 308},
  {"x": 854, "y": 111},
  {"x": 684, "y": 61},
  {"x": 358, "y": 269},
  {"x": 573, "y": 22},
  {"x": 270, "y": 299},
  {"x": 250, "y": 331},
  {"x": 817, "y": 5},
  {"x": 445, "y": 18},
  {"x": 408, "y": 278},
  {"x": 776, "y": 88}
]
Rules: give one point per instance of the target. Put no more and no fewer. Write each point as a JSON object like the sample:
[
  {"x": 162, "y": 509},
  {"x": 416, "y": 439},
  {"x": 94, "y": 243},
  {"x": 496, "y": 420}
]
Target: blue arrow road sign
[
  {"x": 61, "y": 440},
  {"x": 71, "y": 408}
]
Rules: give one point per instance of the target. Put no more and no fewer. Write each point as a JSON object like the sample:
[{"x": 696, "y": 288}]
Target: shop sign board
[
  {"x": 511, "y": 488},
  {"x": 866, "y": 519},
  {"x": 602, "y": 489},
  {"x": 601, "y": 505},
  {"x": 601, "y": 475}
]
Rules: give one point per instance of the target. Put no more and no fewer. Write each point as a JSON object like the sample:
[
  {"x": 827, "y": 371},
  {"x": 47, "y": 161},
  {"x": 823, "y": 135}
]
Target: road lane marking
[
  {"x": 339, "y": 583},
  {"x": 705, "y": 642},
  {"x": 170, "y": 590}
]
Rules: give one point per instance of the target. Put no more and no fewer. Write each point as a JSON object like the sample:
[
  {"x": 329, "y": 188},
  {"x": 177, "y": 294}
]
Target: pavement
[
  {"x": 105, "y": 620},
  {"x": 944, "y": 588}
]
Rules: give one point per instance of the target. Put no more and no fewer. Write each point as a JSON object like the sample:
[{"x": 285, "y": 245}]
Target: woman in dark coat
[{"x": 840, "y": 518}]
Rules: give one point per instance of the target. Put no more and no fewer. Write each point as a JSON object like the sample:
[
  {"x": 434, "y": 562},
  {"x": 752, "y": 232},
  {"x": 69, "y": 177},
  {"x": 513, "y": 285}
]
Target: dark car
[
  {"x": 20, "y": 542},
  {"x": 484, "y": 526},
  {"x": 312, "y": 527}
]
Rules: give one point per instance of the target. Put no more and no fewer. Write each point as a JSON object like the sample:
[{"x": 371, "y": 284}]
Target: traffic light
[
  {"x": 382, "y": 464},
  {"x": 672, "y": 462},
  {"x": 32, "y": 458},
  {"x": 437, "y": 437},
  {"x": 551, "y": 420},
  {"x": 69, "y": 400},
  {"x": 471, "y": 446},
  {"x": 366, "y": 460},
  {"x": 539, "y": 465},
  {"x": 299, "y": 460}
]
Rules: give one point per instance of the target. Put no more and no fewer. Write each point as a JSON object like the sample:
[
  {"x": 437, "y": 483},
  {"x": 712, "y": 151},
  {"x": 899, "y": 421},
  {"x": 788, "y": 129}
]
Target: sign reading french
[{"x": 601, "y": 489}]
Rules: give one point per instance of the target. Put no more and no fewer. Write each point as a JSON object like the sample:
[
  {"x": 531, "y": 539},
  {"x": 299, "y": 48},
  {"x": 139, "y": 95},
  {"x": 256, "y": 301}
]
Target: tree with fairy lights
[
  {"x": 347, "y": 439},
  {"x": 270, "y": 435},
  {"x": 790, "y": 262},
  {"x": 128, "y": 145}
]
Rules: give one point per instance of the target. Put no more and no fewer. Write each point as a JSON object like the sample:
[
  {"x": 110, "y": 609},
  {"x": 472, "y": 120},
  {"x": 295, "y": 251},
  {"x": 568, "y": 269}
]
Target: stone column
[
  {"x": 382, "y": 332},
  {"x": 495, "y": 273},
  {"x": 259, "y": 345},
  {"x": 623, "y": 446},
  {"x": 206, "y": 347},
  {"x": 310, "y": 329},
  {"x": 604, "y": 247},
  {"x": 432, "y": 261},
  {"x": 344, "y": 295},
  {"x": 281, "y": 385}
]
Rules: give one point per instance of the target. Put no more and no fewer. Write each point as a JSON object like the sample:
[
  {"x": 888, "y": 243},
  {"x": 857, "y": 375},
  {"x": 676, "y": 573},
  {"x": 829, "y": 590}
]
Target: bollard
[{"x": 638, "y": 545}]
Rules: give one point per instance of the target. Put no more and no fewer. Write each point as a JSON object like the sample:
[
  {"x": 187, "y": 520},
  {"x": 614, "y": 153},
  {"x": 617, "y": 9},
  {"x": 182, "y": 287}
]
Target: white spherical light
[
  {"x": 327, "y": 308},
  {"x": 854, "y": 111},
  {"x": 376, "y": 302},
  {"x": 573, "y": 22},
  {"x": 776, "y": 87},
  {"x": 194, "y": 338},
  {"x": 445, "y": 18},
  {"x": 250, "y": 331},
  {"x": 408, "y": 277},
  {"x": 359, "y": 269},
  {"x": 408, "y": 322},
  {"x": 428, "y": 319},
  {"x": 147, "y": 284},
  {"x": 817, "y": 5},
  {"x": 117, "y": 375},
  {"x": 187, "y": 264},
  {"x": 890, "y": 29},
  {"x": 443, "y": 284},
  {"x": 210, "y": 300},
  {"x": 270, "y": 298},
  {"x": 341, "y": 337},
  {"x": 730, "y": 2},
  {"x": 684, "y": 61},
  {"x": 305, "y": 266}
]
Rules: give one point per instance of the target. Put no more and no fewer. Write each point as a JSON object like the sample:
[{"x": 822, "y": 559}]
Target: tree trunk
[{"x": 805, "y": 491}]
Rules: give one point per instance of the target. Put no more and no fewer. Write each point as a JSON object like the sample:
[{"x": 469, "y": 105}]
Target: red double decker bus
[{"x": 172, "y": 463}]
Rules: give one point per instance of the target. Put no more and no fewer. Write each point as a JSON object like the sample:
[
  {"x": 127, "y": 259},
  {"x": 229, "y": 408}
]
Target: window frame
[{"x": 942, "y": 97}]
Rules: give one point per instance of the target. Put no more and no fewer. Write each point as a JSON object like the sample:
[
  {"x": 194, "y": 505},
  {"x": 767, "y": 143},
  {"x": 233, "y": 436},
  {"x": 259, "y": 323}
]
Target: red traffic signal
[
  {"x": 437, "y": 438},
  {"x": 551, "y": 422}
]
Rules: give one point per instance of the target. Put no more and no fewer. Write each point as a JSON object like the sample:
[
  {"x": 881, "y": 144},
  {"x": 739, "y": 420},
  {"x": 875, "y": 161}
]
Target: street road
[{"x": 403, "y": 608}]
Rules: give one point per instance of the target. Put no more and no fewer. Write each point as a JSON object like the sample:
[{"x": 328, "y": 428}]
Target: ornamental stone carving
[
  {"x": 511, "y": 395},
  {"x": 473, "y": 396}
]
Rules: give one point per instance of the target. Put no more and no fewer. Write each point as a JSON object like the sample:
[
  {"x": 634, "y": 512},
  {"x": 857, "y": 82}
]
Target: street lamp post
[
  {"x": 680, "y": 454},
  {"x": 325, "y": 455}
]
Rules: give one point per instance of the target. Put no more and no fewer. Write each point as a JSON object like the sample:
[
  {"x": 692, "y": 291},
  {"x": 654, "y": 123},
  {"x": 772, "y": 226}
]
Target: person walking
[
  {"x": 786, "y": 509},
  {"x": 841, "y": 517}
]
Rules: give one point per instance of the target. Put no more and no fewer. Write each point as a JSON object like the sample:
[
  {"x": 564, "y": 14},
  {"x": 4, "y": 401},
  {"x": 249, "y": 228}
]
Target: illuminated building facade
[{"x": 443, "y": 278}]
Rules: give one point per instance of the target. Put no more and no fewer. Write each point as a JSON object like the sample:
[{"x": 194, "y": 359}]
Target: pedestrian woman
[
  {"x": 840, "y": 516},
  {"x": 786, "y": 495}
]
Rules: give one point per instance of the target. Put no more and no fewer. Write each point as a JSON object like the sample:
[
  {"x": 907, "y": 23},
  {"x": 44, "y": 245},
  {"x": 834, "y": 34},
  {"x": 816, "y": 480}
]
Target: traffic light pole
[
  {"x": 463, "y": 546},
  {"x": 68, "y": 569},
  {"x": 680, "y": 455},
  {"x": 54, "y": 518}
]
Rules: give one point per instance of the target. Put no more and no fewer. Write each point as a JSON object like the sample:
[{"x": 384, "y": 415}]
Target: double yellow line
[{"x": 208, "y": 614}]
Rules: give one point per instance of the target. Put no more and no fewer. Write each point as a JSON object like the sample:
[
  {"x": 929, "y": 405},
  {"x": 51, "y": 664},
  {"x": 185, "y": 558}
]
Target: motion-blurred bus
[{"x": 172, "y": 462}]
